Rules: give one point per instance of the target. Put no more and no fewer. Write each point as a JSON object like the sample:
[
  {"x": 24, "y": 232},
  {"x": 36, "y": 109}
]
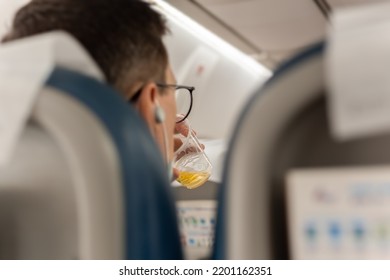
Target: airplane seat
[
  {"x": 86, "y": 180},
  {"x": 283, "y": 127},
  {"x": 151, "y": 226}
]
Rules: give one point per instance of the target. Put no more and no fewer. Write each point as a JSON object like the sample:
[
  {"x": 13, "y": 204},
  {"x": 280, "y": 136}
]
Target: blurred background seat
[
  {"x": 283, "y": 128},
  {"x": 250, "y": 220}
]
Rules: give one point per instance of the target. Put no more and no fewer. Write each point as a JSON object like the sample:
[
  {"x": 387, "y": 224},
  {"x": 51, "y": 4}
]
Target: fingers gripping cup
[{"x": 193, "y": 165}]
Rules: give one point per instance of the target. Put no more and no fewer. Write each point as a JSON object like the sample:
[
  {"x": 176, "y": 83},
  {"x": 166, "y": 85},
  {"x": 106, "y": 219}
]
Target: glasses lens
[{"x": 183, "y": 102}]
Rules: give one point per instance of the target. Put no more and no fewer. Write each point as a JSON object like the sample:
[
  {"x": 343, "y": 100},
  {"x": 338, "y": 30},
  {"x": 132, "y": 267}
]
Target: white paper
[
  {"x": 25, "y": 65},
  {"x": 358, "y": 67}
]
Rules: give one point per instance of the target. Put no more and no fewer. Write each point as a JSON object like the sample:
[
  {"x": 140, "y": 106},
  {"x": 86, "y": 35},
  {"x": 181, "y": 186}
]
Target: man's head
[
  {"x": 123, "y": 36},
  {"x": 125, "y": 39}
]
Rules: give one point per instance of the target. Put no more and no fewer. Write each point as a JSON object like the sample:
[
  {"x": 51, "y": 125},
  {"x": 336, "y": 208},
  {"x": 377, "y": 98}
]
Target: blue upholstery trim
[
  {"x": 151, "y": 226},
  {"x": 219, "y": 250}
]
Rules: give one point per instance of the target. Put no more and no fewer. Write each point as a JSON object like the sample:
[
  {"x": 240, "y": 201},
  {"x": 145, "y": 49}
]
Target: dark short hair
[{"x": 123, "y": 36}]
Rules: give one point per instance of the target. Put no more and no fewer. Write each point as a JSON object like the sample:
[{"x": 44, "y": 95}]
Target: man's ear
[
  {"x": 147, "y": 102},
  {"x": 148, "y": 95}
]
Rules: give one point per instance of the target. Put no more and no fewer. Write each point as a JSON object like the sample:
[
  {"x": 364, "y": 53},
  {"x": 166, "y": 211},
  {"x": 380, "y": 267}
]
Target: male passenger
[{"x": 124, "y": 37}]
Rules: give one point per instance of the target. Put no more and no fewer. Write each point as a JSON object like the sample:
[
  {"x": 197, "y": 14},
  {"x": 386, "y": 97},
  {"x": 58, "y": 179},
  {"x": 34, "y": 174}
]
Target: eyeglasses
[{"x": 184, "y": 100}]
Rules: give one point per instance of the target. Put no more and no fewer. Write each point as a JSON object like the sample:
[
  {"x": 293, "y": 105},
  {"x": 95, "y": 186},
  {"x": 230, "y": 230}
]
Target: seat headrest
[{"x": 25, "y": 65}]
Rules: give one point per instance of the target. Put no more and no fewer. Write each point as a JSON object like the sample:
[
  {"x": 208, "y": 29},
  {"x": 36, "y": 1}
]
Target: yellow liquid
[{"x": 192, "y": 180}]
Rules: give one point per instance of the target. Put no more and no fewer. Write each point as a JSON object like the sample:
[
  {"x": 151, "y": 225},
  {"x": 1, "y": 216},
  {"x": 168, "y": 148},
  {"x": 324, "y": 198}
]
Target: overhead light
[{"x": 210, "y": 38}]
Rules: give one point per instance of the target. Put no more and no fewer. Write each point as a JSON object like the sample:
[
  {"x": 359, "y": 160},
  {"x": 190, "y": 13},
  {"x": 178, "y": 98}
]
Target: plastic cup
[{"x": 193, "y": 165}]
